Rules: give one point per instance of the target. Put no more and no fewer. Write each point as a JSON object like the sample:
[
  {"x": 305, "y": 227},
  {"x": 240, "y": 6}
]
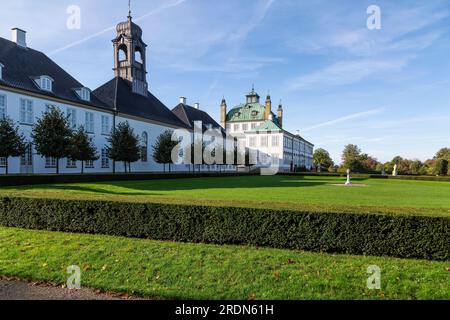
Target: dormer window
[
  {"x": 84, "y": 94},
  {"x": 45, "y": 83},
  {"x": 1, "y": 71}
]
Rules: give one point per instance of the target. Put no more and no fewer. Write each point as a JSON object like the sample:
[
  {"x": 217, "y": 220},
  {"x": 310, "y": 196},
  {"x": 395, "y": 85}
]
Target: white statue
[
  {"x": 395, "y": 173},
  {"x": 348, "y": 183},
  {"x": 383, "y": 171}
]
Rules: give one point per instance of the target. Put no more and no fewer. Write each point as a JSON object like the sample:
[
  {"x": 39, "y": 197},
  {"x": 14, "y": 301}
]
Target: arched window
[
  {"x": 138, "y": 56},
  {"x": 123, "y": 53},
  {"x": 144, "y": 147}
]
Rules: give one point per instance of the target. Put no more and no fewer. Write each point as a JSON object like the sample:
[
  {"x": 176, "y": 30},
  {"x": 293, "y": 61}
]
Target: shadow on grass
[{"x": 151, "y": 187}]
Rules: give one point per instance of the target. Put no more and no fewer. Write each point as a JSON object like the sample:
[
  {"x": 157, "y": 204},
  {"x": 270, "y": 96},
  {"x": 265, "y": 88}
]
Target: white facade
[
  {"x": 256, "y": 127},
  {"x": 24, "y": 109},
  {"x": 288, "y": 150}
]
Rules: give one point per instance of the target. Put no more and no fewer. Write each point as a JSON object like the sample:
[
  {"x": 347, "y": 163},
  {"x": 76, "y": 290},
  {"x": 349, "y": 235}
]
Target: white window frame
[
  {"x": 49, "y": 106},
  {"x": 264, "y": 141},
  {"x": 275, "y": 141},
  {"x": 85, "y": 94},
  {"x": 72, "y": 117},
  {"x": 3, "y": 106},
  {"x": 50, "y": 162},
  {"x": 236, "y": 127},
  {"x": 89, "y": 164},
  {"x": 46, "y": 83},
  {"x": 105, "y": 159},
  {"x": 26, "y": 111},
  {"x": 106, "y": 129},
  {"x": 245, "y": 127},
  {"x": 2, "y": 162},
  {"x": 253, "y": 141},
  {"x": 71, "y": 163},
  {"x": 89, "y": 122}
]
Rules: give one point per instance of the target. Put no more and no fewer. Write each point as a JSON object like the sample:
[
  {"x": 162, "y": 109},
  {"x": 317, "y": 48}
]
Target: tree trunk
[
  {"x": 170, "y": 170},
  {"x": 82, "y": 167},
  {"x": 125, "y": 165},
  {"x": 6, "y": 168},
  {"x": 57, "y": 165},
  {"x": 164, "y": 167}
]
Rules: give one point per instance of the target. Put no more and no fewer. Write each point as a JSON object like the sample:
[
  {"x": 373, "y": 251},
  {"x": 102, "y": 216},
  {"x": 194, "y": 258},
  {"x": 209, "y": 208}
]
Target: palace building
[
  {"x": 257, "y": 127},
  {"x": 31, "y": 83}
]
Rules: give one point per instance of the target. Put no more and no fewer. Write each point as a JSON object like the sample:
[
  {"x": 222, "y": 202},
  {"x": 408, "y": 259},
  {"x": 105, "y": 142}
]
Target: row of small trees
[
  {"x": 357, "y": 161},
  {"x": 52, "y": 137}
]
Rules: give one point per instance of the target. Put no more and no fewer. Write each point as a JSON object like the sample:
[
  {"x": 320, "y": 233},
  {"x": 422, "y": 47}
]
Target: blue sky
[{"x": 386, "y": 90}]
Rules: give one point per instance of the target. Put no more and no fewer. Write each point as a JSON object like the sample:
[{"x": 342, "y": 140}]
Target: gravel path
[{"x": 21, "y": 290}]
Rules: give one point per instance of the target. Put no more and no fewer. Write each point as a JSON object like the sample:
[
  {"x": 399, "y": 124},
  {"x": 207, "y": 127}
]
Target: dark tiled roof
[
  {"x": 117, "y": 93},
  {"x": 21, "y": 65},
  {"x": 188, "y": 115}
]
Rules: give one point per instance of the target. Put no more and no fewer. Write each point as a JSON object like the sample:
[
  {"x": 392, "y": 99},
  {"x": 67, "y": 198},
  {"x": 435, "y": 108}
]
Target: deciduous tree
[
  {"x": 52, "y": 135},
  {"x": 82, "y": 147},
  {"x": 124, "y": 145},
  {"x": 12, "y": 144}
]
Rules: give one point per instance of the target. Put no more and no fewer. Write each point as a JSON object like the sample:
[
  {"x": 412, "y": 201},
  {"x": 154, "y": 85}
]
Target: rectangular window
[
  {"x": 27, "y": 158},
  {"x": 89, "y": 164},
  {"x": 50, "y": 162},
  {"x": 236, "y": 127},
  {"x": 265, "y": 141},
  {"x": 2, "y": 107},
  {"x": 252, "y": 142},
  {"x": 244, "y": 127},
  {"x": 105, "y": 159},
  {"x": 275, "y": 141},
  {"x": 105, "y": 125},
  {"x": 89, "y": 123},
  {"x": 72, "y": 118},
  {"x": 49, "y": 107},
  {"x": 228, "y": 127},
  {"x": 46, "y": 84},
  {"x": 253, "y": 126},
  {"x": 2, "y": 162},
  {"x": 26, "y": 111},
  {"x": 71, "y": 163}
]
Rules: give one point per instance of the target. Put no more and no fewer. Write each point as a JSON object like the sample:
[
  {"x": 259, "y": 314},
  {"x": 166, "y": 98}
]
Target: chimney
[
  {"x": 182, "y": 100},
  {"x": 298, "y": 133},
  {"x": 197, "y": 106},
  {"x": 19, "y": 37}
]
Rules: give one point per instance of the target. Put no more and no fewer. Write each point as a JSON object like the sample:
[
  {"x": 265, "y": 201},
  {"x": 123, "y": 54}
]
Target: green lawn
[
  {"x": 197, "y": 271},
  {"x": 291, "y": 192}
]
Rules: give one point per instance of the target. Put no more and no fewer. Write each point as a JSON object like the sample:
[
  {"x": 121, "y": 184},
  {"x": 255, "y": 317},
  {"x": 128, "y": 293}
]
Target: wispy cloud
[
  {"x": 167, "y": 5},
  {"x": 237, "y": 39},
  {"x": 346, "y": 72},
  {"x": 353, "y": 116}
]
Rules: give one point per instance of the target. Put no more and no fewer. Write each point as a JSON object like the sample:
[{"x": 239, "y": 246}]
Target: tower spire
[{"x": 129, "y": 55}]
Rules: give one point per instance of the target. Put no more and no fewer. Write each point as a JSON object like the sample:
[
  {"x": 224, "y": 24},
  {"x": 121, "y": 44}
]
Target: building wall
[
  {"x": 290, "y": 150},
  {"x": 39, "y": 106}
]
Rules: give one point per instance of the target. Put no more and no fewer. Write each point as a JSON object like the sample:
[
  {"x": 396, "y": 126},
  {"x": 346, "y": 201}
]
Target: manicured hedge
[{"x": 370, "y": 234}]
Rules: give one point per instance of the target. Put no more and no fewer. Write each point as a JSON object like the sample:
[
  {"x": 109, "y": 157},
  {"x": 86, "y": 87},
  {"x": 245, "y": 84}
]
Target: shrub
[
  {"x": 442, "y": 167},
  {"x": 422, "y": 237}
]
